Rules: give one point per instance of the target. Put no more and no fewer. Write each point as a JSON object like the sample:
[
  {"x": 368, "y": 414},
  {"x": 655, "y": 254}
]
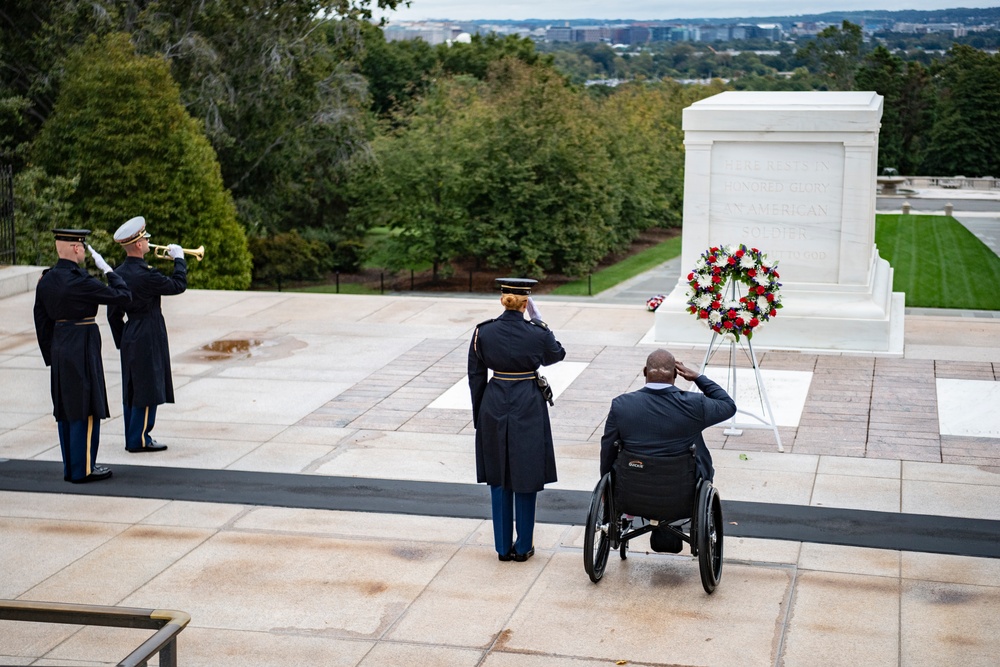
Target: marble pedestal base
[{"x": 815, "y": 317}]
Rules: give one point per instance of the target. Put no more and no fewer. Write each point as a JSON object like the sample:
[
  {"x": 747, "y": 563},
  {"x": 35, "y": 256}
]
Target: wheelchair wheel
[
  {"x": 596, "y": 537},
  {"x": 710, "y": 533}
]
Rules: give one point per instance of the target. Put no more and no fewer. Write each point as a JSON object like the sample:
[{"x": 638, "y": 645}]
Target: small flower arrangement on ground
[
  {"x": 653, "y": 302},
  {"x": 733, "y": 317}
]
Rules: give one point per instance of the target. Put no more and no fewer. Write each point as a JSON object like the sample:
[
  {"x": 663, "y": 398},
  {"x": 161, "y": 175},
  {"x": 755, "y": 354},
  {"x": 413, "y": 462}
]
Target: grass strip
[
  {"x": 938, "y": 262},
  {"x": 345, "y": 288},
  {"x": 627, "y": 268}
]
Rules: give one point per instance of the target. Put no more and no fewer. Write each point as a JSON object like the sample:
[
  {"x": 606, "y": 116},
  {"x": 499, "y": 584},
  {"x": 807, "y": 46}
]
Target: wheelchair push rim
[
  {"x": 709, "y": 537},
  {"x": 597, "y": 530}
]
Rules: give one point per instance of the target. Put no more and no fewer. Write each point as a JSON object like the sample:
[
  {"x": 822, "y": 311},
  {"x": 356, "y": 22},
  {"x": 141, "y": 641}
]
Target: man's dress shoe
[
  {"x": 153, "y": 446},
  {"x": 520, "y": 558},
  {"x": 98, "y": 473}
]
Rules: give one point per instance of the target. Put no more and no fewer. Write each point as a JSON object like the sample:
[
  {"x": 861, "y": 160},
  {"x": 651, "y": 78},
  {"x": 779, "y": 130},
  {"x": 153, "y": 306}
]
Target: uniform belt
[
  {"x": 85, "y": 320},
  {"x": 526, "y": 375}
]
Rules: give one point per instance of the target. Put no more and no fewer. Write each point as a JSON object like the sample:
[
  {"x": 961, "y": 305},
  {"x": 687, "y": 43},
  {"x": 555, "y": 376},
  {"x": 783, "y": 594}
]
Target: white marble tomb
[{"x": 793, "y": 174}]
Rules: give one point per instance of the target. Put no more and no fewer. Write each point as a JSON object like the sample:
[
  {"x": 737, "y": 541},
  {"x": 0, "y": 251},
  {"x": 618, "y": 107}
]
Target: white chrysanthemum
[
  {"x": 762, "y": 279},
  {"x": 721, "y": 259},
  {"x": 704, "y": 301},
  {"x": 700, "y": 264},
  {"x": 745, "y": 314},
  {"x": 705, "y": 282},
  {"x": 714, "y": 317},
  {"x": 732, "y": 305},
  {"x": 763, "y": 304},
  {"x": 747, "y": 261},
  {"x": 729, "y": 338}
]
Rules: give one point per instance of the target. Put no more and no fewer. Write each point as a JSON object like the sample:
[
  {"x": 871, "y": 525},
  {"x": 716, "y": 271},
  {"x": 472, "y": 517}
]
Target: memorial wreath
[{"x": 726, "y": 314}]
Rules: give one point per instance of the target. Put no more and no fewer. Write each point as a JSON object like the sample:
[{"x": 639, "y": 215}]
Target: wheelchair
[{"x": 667, "y": 492}]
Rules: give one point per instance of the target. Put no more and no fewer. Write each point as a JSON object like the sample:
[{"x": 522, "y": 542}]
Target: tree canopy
[{"x": 119, "y": 127}]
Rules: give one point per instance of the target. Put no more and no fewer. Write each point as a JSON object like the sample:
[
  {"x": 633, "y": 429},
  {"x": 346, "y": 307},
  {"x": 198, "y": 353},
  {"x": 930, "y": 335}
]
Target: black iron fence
[
  {"x": 8, "y": 240},
  {"x": 166, "y": 622}
]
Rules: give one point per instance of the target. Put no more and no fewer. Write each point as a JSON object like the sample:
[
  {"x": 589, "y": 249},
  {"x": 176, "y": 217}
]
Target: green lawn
[
  {"x": 623, "y": 270},
  {"x": 345, "y": 288},
  {"x": 938, "y": 262}
]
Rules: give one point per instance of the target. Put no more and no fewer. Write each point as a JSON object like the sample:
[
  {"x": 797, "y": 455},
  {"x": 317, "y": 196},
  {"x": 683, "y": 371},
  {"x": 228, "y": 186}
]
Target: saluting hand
[
  {"x": 98, "y": 260},
  {"x": 686, "y": 372},
  {"x": 533, "y": 312}
]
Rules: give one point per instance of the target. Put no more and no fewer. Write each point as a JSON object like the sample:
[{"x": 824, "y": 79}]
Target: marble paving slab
[
  {"x": 786, "y": 393},
  {"x": 969, "y": 407},
  {"x": 560, "y": 377}
]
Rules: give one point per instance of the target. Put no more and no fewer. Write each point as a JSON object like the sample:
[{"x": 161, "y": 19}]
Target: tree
[
  {"x": 542, "y": 184},
  {"x": 272, "y": 81},
  {"x": 119, "y": 126},
  {"x": 478, "y": 55},
  {"x": 905, "y": 115},
  {"x": 965, "y": 138},
  {"x": 396, "y": 72},
  {"x": 418, "y": 187},
  {"x": 836, "y": 53},
  {"x": 287, "y": 256},
  {"x": 43, "y": 204},
  {"x": 641, "y": 126}
]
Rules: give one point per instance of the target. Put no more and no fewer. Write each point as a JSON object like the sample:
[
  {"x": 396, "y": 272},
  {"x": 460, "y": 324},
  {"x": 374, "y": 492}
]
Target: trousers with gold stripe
[
  {"x": 79, "y": 440},
  {"x": 139, "y": 421}
]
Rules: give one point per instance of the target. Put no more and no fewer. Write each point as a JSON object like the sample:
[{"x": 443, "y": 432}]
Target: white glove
[
  {"x": 175, "y": 251},
  {"x": 98, "y": 260},
  {"x": 533, "y": 312}
]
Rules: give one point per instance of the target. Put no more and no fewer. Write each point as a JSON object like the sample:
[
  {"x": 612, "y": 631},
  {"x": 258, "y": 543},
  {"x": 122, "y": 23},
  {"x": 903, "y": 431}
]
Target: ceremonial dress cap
[
  {"x": 132, "y": 231},
  {"x": 516, "y": 285},
  {"x": 71, "y": 235}
]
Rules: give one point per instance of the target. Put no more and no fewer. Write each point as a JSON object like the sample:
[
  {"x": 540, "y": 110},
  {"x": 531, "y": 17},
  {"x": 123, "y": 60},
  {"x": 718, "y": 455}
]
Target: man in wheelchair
[{"x": 661, "y": 420}]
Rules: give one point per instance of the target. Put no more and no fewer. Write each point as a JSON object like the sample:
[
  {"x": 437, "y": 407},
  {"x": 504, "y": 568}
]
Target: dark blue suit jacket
[{"x": 662, "y": 422}]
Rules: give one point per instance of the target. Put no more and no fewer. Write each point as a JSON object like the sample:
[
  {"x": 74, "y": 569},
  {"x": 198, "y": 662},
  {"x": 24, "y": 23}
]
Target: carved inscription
[{"x": 783, "y": 198}]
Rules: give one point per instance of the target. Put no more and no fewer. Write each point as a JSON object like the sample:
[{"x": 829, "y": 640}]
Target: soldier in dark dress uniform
[
  {"x": 514, "y": 451},
  {"x": 66, "y": 301},
  {"x": 142, "y": 339}
]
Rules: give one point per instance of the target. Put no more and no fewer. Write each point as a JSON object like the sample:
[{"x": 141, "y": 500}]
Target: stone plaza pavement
[{"x": 358, "y": 386}]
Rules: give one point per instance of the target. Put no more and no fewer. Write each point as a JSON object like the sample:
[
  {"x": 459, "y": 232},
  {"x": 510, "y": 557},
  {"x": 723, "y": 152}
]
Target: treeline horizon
[{"x": 293, "y": 147}]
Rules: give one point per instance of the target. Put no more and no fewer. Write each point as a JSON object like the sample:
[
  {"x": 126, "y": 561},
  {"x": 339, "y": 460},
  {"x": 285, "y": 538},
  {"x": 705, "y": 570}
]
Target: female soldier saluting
[{"x": 514, "y": 452}]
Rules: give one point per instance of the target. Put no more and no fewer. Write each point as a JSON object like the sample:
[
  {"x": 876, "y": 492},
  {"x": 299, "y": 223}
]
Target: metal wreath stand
[{"x": 734, "y": 428}]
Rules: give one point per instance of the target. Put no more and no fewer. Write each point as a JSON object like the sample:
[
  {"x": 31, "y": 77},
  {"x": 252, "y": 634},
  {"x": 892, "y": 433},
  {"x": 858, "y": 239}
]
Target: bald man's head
[{"x": 660, "y": 367}]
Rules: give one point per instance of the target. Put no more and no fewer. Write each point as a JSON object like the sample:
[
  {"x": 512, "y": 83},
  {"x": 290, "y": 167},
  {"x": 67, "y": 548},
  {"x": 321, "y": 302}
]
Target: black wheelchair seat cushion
[{"x": 661, "y": 488}]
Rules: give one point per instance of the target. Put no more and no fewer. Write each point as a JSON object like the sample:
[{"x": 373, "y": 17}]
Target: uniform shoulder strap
[
  {"x": 475, "y": 337},
  {"x": 538, "y": 323}
]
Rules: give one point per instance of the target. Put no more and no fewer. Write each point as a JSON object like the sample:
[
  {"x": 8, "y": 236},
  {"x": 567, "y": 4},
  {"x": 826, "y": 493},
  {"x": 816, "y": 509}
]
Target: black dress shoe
[
  {"x": 520, "y": 558},
  {"x": 99, "y": 473},
  {"x": 506, "y": 557},
  {"x": 153, "y": 446}
]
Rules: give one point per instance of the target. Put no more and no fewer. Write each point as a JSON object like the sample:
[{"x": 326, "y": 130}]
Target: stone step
[{"x": 18, "y": 279}]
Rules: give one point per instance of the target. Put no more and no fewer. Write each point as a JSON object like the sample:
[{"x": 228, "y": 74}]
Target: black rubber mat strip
[{"x": 799, "y": 523}]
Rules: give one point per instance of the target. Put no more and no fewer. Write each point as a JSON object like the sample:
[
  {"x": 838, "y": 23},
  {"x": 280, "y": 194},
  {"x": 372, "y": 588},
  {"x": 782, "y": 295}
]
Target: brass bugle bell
[{"x": 160, "y": 251}]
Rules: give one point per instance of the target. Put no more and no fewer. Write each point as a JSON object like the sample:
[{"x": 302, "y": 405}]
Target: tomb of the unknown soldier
[{"x": 792, "y": 174}]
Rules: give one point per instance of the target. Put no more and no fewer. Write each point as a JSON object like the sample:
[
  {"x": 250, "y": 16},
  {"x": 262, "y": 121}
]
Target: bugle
[{"x": 160, "y": 251}]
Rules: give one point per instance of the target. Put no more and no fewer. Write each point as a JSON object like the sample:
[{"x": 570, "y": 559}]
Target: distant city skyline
[{"x": 467, "y": 10}]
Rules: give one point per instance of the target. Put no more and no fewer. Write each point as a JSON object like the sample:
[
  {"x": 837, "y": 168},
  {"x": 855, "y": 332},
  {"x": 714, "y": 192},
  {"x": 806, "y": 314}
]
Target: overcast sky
[{"x": 650, "y": 9}]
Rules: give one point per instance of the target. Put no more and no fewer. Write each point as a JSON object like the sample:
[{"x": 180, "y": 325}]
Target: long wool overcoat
[
  {"x": 66, "y": 301},
  {"x": 513, "y": 436},
  {"x": 142, "y": 339}
]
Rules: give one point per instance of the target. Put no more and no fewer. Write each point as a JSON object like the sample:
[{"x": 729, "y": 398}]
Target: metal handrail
[{"x": 167, "y": 623}]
